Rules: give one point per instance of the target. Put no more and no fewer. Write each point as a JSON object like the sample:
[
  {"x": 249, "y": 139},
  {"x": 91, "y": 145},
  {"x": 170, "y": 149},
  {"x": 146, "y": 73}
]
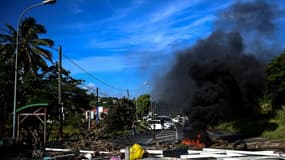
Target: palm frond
[
  {"x": 44, "y": 42},
  {"x": 12, "y": 30},
  {"x": 46, "y": 54},
  {"x": 32, "y": 52}
]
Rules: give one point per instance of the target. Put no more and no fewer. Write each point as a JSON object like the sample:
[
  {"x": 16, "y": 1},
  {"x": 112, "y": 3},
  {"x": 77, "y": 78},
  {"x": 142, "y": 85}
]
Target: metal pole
[
  {"x": 97, "y": 105},
  {"x": 60, "y": 104},
  {"x": 89, "y": 119},
  {"x": 128, "y": 94},
  {"x": 18, "y": 128},
  {"x": 152, "y": 115},
  {"x": 45, "y": 125},
  {"x": 16, "y": 65}
]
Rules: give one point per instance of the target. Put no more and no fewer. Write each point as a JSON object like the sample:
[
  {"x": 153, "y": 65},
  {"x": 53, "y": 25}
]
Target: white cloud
[
  {"x": 155, "y": 37},
  {"x": 163, "y": 14},
  {"x": 202, "y": 20},
  {"x": 151, "y": 30},
  {"x": 170, "y": 10},
  {"x": 91, "y": 85}
]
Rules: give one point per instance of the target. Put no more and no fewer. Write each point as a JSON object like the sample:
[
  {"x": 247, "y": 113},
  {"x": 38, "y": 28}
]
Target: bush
[{"x": 279, "y": 119}]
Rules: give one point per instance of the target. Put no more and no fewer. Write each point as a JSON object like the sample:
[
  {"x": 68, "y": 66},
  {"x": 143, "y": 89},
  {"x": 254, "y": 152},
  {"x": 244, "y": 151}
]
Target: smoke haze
[{"x": 222, "y": 75}]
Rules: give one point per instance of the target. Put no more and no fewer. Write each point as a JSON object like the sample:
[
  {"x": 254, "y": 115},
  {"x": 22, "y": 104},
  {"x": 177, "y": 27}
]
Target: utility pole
[
  {"x": 128, "y": 94},
  {"x": 60, "y": 104},
  {"x": 152, "y": 117},
  {"x": 97, "y": 105}
]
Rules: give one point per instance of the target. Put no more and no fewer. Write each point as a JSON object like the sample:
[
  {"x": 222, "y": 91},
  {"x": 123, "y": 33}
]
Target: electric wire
[
  {"x": 91, "y": 75},
  {"x": 90, "y": 88}
]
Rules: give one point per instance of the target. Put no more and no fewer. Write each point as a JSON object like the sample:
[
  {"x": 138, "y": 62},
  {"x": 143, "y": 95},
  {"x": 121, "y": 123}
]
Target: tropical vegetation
[{"x": 38, "y": 83}]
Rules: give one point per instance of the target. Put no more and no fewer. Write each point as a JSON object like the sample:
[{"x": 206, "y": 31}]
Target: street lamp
[
  {"x": 16, "y": 59},
  {"x": 142, "y": 85},
  {"x": 145, "y": 83}
]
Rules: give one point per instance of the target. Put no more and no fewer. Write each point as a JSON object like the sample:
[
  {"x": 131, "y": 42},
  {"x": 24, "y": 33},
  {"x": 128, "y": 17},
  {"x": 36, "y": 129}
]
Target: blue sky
[{"x": 121, "y": 42}]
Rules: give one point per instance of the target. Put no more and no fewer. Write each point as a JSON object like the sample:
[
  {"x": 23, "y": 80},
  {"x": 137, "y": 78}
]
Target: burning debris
[{"x": 196, "y": 144}]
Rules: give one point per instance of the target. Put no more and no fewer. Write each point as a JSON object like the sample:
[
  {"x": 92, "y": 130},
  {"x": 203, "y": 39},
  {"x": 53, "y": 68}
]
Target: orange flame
[{"x": 193, "y": 143}]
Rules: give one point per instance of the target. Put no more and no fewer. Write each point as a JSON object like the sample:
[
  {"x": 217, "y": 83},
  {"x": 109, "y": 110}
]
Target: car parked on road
[
  {"x": 155, "y": 124},
  {"x": 180, "y": 120},
  {"x": 166, "y": 121},
  {"x": 169, "y": 125}
]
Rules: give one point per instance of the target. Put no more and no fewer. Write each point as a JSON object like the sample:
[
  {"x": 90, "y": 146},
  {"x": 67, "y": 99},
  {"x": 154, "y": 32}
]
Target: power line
[
  {"x": 90, "y": 88},
  {"x": 91, "y": 75},
  {"x": 94, "y": 90}
]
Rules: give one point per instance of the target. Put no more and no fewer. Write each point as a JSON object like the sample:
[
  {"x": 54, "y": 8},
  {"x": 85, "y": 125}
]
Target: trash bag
[
  {"x": 115, "y": 158},
  {"x": 136, "y": 152},
  {"x": 175, "y": 152}
]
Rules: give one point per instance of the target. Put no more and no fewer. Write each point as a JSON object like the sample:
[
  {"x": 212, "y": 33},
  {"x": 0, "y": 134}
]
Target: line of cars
[{"x": 165, "y": 122}]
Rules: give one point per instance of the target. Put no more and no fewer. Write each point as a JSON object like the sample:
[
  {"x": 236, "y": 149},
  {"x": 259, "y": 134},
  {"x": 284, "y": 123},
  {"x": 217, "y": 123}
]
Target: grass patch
[
  {"x": 279, "y": 119},
  {"x": 279, "y": 133},
  {"x": 263, "y": 126},
  {"x": 69, "y": 131},
  {"x": 227, "y": 126}
]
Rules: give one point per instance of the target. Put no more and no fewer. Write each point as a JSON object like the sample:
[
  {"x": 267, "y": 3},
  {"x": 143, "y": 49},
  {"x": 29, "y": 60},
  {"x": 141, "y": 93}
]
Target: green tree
[
  {"x": 6, "y": 91},
  {"x": 31, "y": 49},
  {"x": 37, "y": 82},
  {"x": 74, "y": 97},
  {"x": 121, "y": 116},
  {"x": 44, "y": 88},
  {"x": 103, "y": 101},
  {"x": 142, "y": 104},
  {"x": 275, "y": 81},
  {"x": 32, "y": 58}
]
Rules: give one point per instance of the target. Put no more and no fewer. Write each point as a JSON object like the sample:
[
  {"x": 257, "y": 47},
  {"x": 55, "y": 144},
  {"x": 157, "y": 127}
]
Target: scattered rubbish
[
  {"x": 127, "y": 153},
  {"x": 222, "y": 154},
  {"x": 175, "y": 152},
  {"x": 90, "y": 147},
  {"x": 136, "y": 152},
  {"x": 88, "y": 156},
  {"x": 54, "y": 153},
  {"x": 115, "y": 158}
]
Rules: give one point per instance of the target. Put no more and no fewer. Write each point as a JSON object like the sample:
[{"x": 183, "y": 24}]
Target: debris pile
[
  {"x": 92, "y": 139},
  {"x": 94, "y": 143}
]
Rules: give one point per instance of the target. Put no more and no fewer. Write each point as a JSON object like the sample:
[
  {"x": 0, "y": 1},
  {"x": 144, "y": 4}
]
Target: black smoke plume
[
  {"x": 222, "y": 76},
  {"x": 255, "y": 21}
]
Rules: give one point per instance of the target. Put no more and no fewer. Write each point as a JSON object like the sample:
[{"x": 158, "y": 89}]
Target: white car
[
  {"x": 175, "y": 120},
  {"x": 169, "y": 125},
  {"x": 155, "y": 124}
]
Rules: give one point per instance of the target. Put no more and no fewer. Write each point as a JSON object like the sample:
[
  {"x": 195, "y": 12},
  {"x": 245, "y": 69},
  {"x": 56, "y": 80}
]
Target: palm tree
[
  {"x": 33, "y": 53},
  {"x": 33, "y": 56}
]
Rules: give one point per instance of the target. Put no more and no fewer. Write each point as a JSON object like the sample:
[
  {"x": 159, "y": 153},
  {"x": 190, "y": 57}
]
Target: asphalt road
[{"x": 147, "y": 138}]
